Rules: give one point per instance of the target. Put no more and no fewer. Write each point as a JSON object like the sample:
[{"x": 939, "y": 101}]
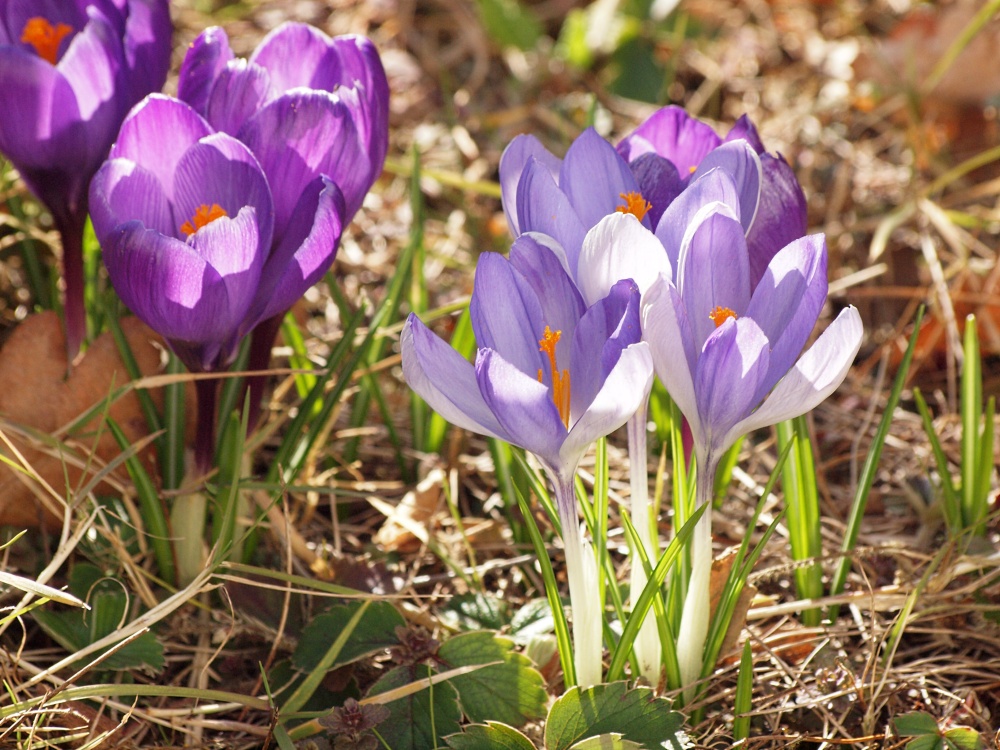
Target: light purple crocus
[
  {"x": 670, "y": 148},
  {"x": 729, "y": 352},
  {"x": 313, "y": 110},
  {"x": 552, "y": 375},
  {"x": 69, "y": 72},
  {"x": 571, "y": 200},
  {"x": 645, "y": 175},
  {"x": 185, "y": 218}
]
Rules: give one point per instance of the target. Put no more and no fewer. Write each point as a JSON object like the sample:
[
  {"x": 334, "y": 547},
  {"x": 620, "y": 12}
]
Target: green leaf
[
  {"x": 531, "y": 620},
  {"x": 914, "y": 724},
  {"x": 489, "y": 736},
  {"x": 613, "y": 741},
  {"x": 512, "y": 691},
  {"x": 375, "y": 631},
  {"x": 637, "y": 714},
  {"x": 963, "y": 738},
  {"x": 926, "y": 742},
  {"x": 509, "y": 23},
  {"x": 419, "y": 720},
  {"x": 476, "y": 611}
]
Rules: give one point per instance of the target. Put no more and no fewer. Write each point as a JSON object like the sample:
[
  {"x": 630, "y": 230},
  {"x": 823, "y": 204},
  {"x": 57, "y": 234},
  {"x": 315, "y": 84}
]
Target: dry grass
[{"x": 865, "y": 153}]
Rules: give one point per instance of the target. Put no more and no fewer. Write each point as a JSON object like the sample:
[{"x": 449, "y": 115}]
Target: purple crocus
[
  {"x": 552, "y": 375},
  {"x": 185, "y": 218},
  {"x": 569, "y": 200},
  {"x": 69, "y": 72},
  {"x": 646, "y": 174},
  {"x": 670, "y": 147},
  {"x": 728, "y": 351},
  {"x": 313, "y": 110}
]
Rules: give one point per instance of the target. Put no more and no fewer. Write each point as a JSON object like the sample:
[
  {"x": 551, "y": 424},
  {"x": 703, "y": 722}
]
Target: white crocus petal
[
  {"x": 624, "y": 391},
  {"x": 664, "y": 331},
  {"x": 619, "y": 247},
  {"x": 815, "y": 376}
]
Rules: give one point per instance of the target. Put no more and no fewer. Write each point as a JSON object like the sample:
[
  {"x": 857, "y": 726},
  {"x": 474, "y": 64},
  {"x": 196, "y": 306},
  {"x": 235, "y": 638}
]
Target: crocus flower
[
  {"x": 185, "y": 218},
  {"x": 69, "y": 72},
  {"x": 728, "y": 351},
  {"x": 656, "y": 164},
  {"x": 670, "y": 147},
  {"x": 314, "y": 111},
  {"x": 552, "y": 375},
  {"x": 568, "y": 200}
]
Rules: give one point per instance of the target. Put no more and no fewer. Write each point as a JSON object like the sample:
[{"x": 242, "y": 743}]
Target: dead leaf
[
  {"x": 406, "y": 525},
  {"x": 36, "y": 394}
]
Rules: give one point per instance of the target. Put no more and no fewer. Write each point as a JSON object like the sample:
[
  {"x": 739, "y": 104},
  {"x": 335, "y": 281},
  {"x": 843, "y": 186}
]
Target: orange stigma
[
  {"x": 692, "y": 169},
  {"x": 202, "y": 216},
  {"x": 560, "y": 380},
  {"x": 45, "y": 37},
  {"x": 635, "y": 204},
  {"x": 720, "y": 315}
]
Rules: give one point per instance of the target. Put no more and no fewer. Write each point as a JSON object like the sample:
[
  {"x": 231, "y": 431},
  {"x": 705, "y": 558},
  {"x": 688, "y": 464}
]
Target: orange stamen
[
  {"x": 202, "y": 216},
  {"x": 635, "y": 204},
  {"x": 720, "y": 315},
  {"x": 692, "y": 169},
  {"x": 560, "y": 380},
  {"x": 45, "y": 37}
]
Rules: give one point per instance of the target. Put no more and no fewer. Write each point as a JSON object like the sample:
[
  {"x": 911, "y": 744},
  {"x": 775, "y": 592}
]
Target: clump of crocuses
[
  {"x": 69, "y": 72},
  {"x": 552, "y": 375},
  {"x": 314, "y": 110}
]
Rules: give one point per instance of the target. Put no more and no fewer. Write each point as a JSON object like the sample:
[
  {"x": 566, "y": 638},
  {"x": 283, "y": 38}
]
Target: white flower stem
[
  {"x": 647, "y": 642},
  {"x": 694, "y": 619},
  {"x": 584, "y": 592}
]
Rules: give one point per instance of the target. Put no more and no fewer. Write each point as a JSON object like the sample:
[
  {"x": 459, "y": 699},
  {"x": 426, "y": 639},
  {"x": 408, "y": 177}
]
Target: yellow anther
[
  {"x": 634, "y": 204},
  {"x": 560, "y": 380},
  {"x": 45, "y": 37},
  {"x": 204, "y": 214},
  {"x": 720, "y": 315}
]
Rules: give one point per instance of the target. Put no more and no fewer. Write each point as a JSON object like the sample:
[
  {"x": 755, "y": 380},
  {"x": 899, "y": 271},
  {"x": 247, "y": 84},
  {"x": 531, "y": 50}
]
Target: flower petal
[
  {"x": 306, "y": 251},
  {"x": 240, "y": 90},
  {"x": 205, "y": 59},
  {"x": 222, "y": 170},
  {"x": 730, "y": 370},
  {"x": 233, "y": 248},
  {"x": 788, "y": 300},
  {"x": 619, "y": 247},
  {"x": 147, "y": 45},
  {"x": 815, "y": 376},
  {"x": 302, "y": 135},
  {"x": 542, "y": 207},
  {"x": 673, "y": 134},
  {"x": 445, "y": 380},
  {"x": 513, "y": 161},
  {"x": 781, "y": 214},
  {"x": 507, "y": 317},
  {"x": 666, "y": 328},
  {"x": 659, "y": 183},
  {"x": 741, "y": 161},
  {"x": 539, "y": 260},
  {"x": 713, "y": 272},
  {"x": 622, "y": 393},
  {"x": 715, "y": 186},
  {"x": 594, "y": 177},
  {"x": 92, "y": 65},
  {"x": 744, "y": 129},
  {"x": 123, "y": 191},
  {"x": 523, "y": 406},
  {"x": 157, "y": 133},
  {"x": 608, "y": 327}
]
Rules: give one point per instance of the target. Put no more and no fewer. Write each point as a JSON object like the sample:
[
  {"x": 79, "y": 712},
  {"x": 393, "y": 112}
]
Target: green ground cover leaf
[
  {"x": 637, "y": 714},
  {"x": 419, "y": 720},
  {"x": 375, "y": 631},
  {"x": 489, "y": 736},
  {"x": 512, "y": 691}
]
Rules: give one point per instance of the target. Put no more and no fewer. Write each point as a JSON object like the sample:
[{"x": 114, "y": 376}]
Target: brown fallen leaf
[
  {"x": 37, "y": 399},
  {"x": 406, "y": 525}
]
